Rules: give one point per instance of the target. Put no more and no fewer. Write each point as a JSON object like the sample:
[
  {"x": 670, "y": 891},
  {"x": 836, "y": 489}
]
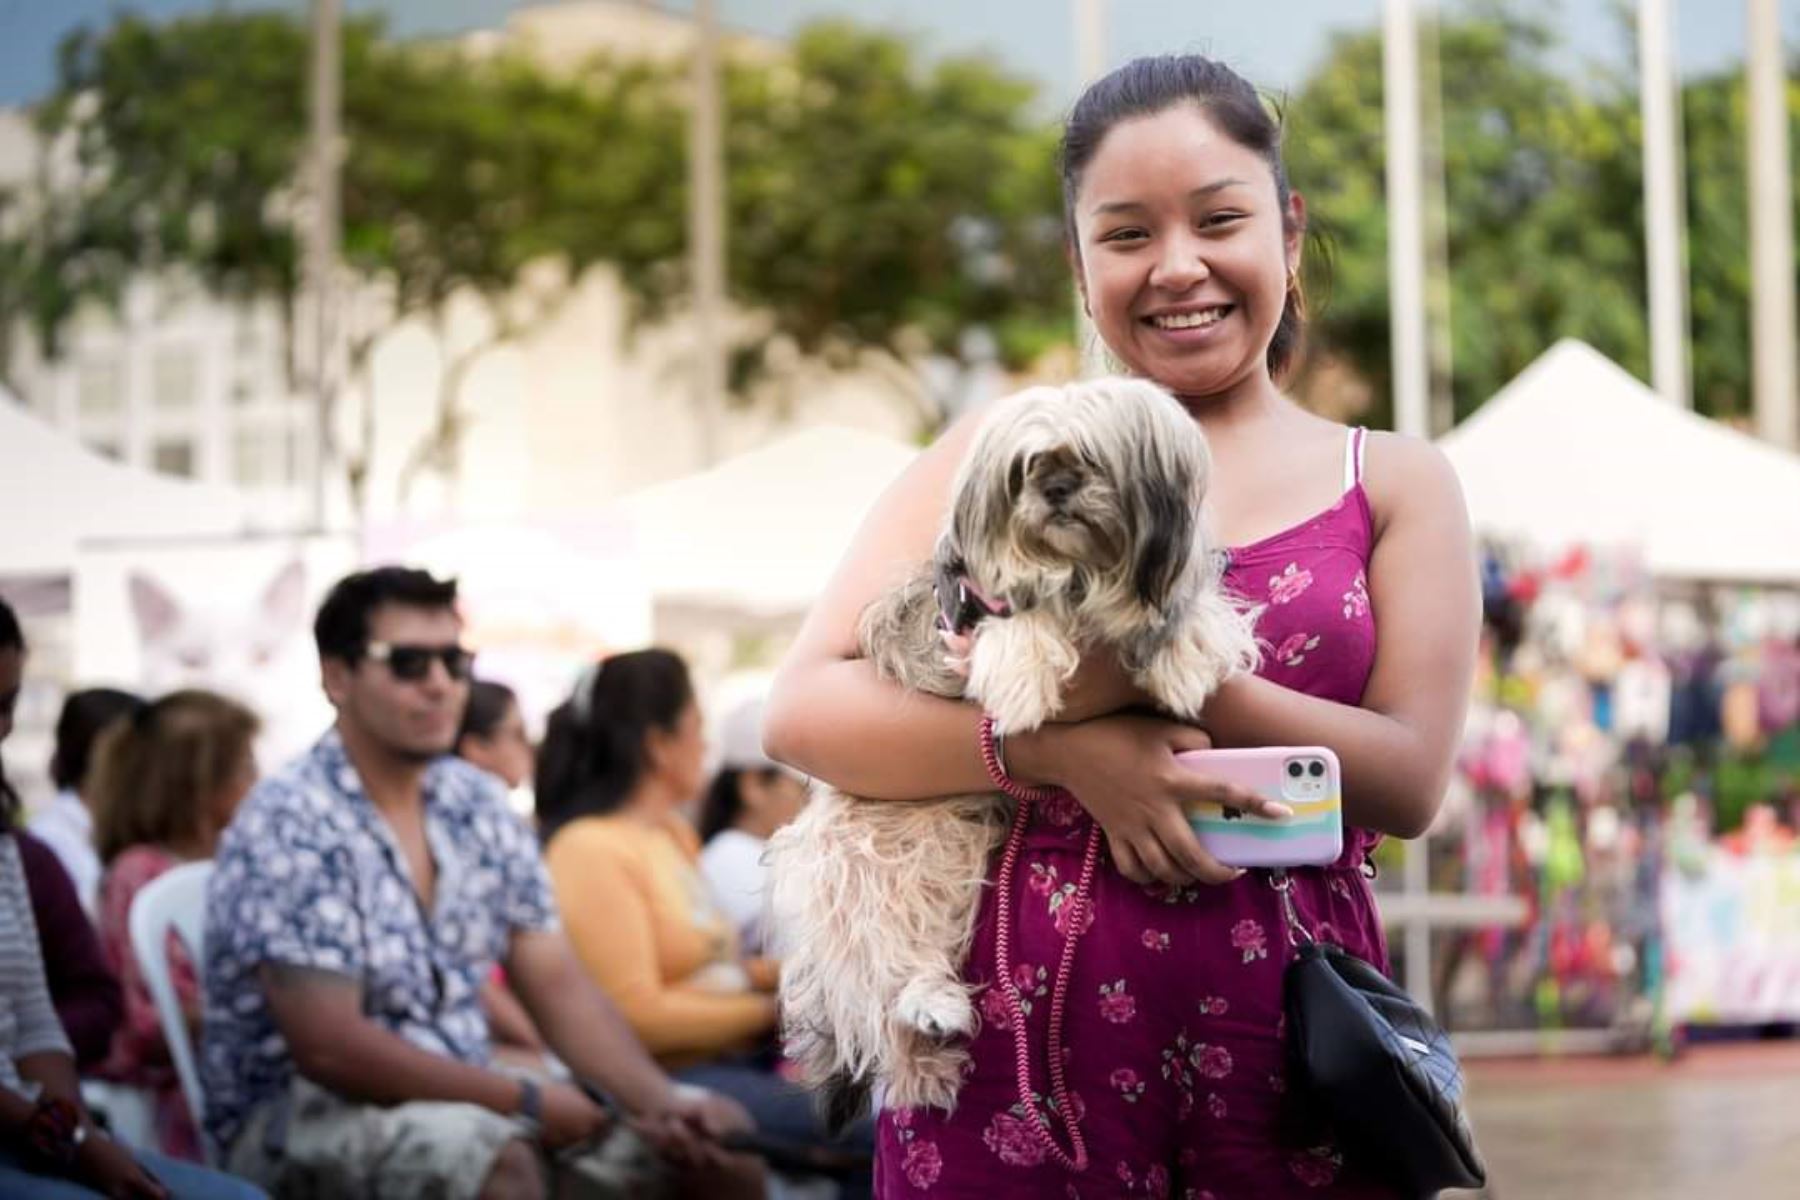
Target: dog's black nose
[{"x": 1058, "y": 486}]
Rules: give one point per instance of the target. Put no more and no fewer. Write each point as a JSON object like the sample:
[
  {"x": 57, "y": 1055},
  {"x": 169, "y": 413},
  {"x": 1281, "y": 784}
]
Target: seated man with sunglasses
[{"x": 359, "y": 898}]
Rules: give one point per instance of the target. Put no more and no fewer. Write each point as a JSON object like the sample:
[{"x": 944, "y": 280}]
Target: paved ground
[{"x": 1720, "y": 1123}]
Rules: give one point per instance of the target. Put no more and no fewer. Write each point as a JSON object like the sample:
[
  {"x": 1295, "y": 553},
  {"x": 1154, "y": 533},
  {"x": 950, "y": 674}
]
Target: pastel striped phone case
[{"x": 1305, "y": 778}]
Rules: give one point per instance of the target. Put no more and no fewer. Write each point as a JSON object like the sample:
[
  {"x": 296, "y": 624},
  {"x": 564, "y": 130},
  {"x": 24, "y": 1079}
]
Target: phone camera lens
[
  {"x": 1316, "y": 770},
  {"x": 1294, "y": 770}
]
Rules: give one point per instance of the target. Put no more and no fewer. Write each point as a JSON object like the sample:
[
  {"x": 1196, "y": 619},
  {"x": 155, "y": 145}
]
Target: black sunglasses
[{"x": 413, "y": 663}]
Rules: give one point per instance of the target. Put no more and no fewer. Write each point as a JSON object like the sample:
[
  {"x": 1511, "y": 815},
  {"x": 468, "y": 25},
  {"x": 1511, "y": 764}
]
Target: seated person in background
[
  {"x": 86, "y": 993},
  {"x": 748, "y": 800},
  {"x": 359, "y": 899},
  {"x": 49, "y": 1145},
  {"x": 66, "y": 824},
  {"x": 492, "y": 736},
  {"x": 164, "y": 785},
  {"x": 82, "y": 988},
  {"x": 620, "y": 760}
]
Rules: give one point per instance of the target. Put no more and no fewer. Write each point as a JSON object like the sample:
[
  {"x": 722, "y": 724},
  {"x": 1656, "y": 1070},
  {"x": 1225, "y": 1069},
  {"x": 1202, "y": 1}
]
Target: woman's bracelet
[{"x": 991, "y": 744}]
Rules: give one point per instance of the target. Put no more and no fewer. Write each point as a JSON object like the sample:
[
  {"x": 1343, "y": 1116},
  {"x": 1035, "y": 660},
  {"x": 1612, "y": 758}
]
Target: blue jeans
[
  {"x": 184, "y": 1180},
  {"x": 785, "y": 1112}
]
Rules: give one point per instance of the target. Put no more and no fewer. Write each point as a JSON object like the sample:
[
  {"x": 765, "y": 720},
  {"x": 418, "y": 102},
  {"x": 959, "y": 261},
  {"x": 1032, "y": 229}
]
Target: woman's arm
[
  {"x": 1398, "y": 747},
  {"x": 829, "y": 714}
]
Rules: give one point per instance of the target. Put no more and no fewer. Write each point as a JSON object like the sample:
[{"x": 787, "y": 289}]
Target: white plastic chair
[{"x": 174, "y": 900}]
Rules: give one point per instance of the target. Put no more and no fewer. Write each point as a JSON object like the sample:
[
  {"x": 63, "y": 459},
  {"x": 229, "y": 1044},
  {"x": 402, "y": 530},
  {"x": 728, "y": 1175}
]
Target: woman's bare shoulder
[{"x": 1404, "y": 475}]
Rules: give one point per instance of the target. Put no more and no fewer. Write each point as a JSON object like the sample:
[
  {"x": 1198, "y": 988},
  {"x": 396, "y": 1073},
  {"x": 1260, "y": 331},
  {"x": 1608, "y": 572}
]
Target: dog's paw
[
  {"x": 927, "y": 1077},
  {"x": 938, "y": 1009},
  {"x": 1180, "y": 677}
]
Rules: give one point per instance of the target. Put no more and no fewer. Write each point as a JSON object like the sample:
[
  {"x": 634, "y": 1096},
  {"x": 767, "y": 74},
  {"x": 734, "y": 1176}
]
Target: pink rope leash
[{"x": 1077, "y": 1159}]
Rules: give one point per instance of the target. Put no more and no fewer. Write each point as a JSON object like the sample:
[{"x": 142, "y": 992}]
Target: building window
[
  {"x": 173, "y": 456},
  {"x": 175, "y": 379},
  {"x": 261, "y": 457},
  {"x": 99, "y": 388}
]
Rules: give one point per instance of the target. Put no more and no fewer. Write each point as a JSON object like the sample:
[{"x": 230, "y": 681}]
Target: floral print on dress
[
  {"x": 1116, "y": 1004},
  {"x": 1060, "y": 808},
  {"x": 995, "y": 1010},
  {"x": 1125, "y": 1081},
  {"x": 1062, "y": 907},
  {"x": 1248, "y": 937},
  {"x": 1215, "y": 1106},
  {"x": 1155, "y": 939},
  {"x": 1214, "y": 1006},
  {"x": 1213, "y": 1062},
  {"x": 1033, "y": 984},
  {"x": 1289, "y": 585},
  {"x": 921, "y": 1162},
  {"x": 1295, "y": 647},
  {"x": 1153, "y": 1182},
  {"x": 1356, "y": 600},
  {"x": 1318, "y": 1167},
  {"x": 1013, "y": 1138}
]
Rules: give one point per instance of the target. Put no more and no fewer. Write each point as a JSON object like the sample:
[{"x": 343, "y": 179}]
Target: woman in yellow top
[{"x": 620, "y": 761}]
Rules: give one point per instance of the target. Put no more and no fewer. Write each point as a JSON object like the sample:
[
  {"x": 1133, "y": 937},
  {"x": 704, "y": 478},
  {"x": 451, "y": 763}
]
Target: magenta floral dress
[
  {"x": 140, "y": 1055},
  {"x": 1173, "y": 1032}
]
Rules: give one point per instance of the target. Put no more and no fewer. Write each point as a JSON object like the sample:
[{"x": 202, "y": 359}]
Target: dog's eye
[{"x": 1015, "y": 477}]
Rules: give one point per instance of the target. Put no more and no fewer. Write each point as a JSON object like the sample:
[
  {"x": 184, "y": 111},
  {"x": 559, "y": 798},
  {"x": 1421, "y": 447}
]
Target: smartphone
[{"x": 1305, "y": 778}]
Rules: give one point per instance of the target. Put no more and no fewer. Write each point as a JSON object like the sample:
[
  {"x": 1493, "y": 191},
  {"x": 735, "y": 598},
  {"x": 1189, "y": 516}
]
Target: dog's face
[{"x": 1094, "y": 485}]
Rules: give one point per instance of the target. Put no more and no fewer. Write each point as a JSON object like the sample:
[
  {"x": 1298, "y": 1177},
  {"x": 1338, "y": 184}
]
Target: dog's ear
[{"x": 1166, "y": 541}]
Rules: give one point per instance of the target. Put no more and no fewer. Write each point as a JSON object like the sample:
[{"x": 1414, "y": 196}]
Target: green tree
[
  {"x": 882, "y": 208},
  {"x": 1543, "y": 195}
]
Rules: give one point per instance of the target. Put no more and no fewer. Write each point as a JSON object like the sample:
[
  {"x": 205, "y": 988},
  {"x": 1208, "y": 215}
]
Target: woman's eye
[
  {"x": 1218, "y": 219},
  {"x": 1124, "y": 235}
]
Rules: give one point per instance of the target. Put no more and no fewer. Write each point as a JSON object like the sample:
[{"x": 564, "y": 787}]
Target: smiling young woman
[{"x": 1186, "y": 240}]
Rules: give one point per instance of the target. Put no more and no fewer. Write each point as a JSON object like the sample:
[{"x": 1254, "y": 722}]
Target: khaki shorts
[{"x": 315, "y": 1145}]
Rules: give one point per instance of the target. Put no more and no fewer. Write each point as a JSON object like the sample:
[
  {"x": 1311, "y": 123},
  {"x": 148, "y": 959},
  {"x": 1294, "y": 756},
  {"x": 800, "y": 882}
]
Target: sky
[{"x": 1273, "y": 42}]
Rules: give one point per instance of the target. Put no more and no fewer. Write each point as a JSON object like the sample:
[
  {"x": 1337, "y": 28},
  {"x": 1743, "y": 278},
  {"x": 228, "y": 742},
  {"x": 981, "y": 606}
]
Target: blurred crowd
[{"x": 449, "y": 917}]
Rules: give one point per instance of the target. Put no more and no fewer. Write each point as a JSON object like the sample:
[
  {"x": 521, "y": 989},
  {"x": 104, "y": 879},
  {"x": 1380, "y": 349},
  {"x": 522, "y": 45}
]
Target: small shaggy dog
[{"x": 1074, "y": 525}]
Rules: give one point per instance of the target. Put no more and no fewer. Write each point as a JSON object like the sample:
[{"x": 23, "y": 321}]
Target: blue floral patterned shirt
[{"x": 309, "y": 874}]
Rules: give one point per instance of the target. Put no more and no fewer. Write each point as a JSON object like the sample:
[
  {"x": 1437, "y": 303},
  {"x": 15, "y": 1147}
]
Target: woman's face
[
  {"x": 771, "y": 800},
  {"x": 12, "y": 674},
  {"x": 1184, "y": 260},
  {"x": 678, "y": 755},
  {"x": 506, "y": 752}
]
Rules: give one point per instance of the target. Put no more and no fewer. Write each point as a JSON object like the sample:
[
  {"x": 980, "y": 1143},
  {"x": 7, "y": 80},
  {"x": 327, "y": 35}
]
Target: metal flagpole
[
  {"x": 706, "y": 231},
  {"x": 322, "y": 235},
  {"x": 1090, "y": 64},
  {"x": 1665, "y": 220},
  {"x": 1771, "y": 231}
]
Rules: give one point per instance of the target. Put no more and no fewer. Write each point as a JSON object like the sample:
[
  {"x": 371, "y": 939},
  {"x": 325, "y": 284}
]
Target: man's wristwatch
[{"x": 531, "y": 1104}]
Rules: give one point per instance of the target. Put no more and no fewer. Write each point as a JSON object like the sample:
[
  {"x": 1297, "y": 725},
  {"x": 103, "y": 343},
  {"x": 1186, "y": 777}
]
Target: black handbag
[{"x": 1376, "y": 1066}]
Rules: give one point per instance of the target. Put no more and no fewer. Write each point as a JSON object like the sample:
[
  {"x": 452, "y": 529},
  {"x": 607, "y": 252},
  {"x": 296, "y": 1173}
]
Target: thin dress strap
[{"x": 1353, "y": 458}]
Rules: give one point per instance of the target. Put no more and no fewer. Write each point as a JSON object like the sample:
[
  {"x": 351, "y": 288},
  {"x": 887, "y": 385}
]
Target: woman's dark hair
[
  {"x": 1144, "y": 87},
  {"x": 11, "y": 638},
  {"x": 85, "y": 714},
  {"x": 488, "y": 702},
  {"x": 594, "y": 743},
  {"x": 724, "y": 800}
]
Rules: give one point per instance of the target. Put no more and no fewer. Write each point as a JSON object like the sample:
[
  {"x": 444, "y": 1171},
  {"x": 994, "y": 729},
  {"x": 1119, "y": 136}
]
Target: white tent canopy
[
  {"x": 1575, "y": 451},
  {"x": 761, "y": 533},
  {"x": 56, "y": 494}
]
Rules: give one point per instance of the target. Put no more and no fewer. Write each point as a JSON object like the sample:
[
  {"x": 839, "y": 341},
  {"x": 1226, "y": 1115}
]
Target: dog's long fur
[{"x": 1079, "y": 507}]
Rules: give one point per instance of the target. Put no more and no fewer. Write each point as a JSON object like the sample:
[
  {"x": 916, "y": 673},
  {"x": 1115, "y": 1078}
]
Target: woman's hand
[
  {"x": 110, "y": 1169},
  {"x": 1122, "y": 769}
]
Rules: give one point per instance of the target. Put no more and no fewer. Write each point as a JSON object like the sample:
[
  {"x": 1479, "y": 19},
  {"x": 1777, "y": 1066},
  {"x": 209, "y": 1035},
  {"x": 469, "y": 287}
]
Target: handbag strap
[{"x": 1283, "y": 884}]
